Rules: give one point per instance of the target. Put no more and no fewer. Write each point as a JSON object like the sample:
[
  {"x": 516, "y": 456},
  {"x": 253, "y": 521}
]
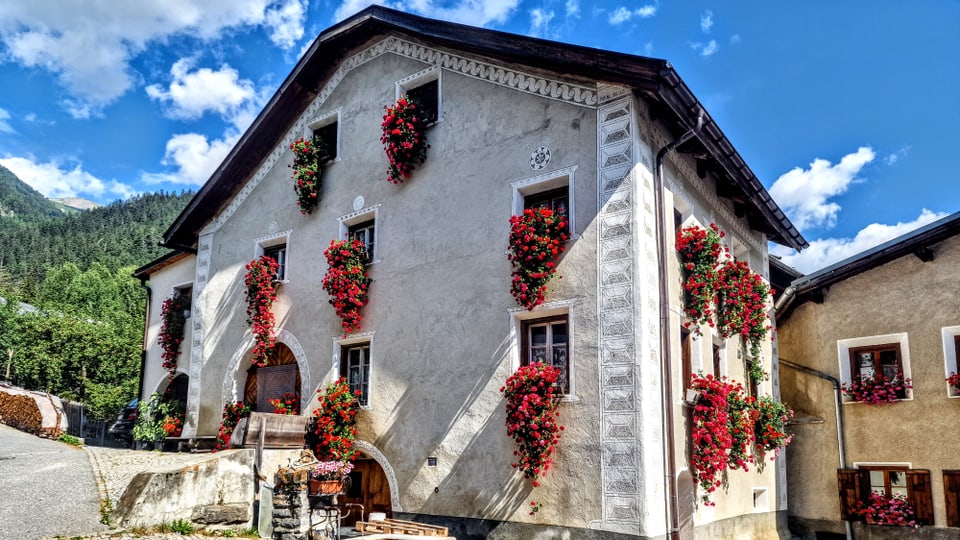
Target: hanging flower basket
[
  {"x": 172, "y": 313},
  {"x": 232, "y": 413},
  {"x": 346, "y": 281},
  {"x": 307, "y": 157},
  {"x": 403, "y": 138},
  {"x": 333, "y": 430},
  {"x": 261, "y": 293},
  {"x": 742, "y": 299},
  {"x": 699, "y": 251},
  {"x": 537, "y": 239},
  {"x": 770, "y": 430}
]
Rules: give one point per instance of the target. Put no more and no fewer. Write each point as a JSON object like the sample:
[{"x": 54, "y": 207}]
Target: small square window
[
  {"x": 547, "y": 341},
  {"x": 187, "y": 292},
  {"x": 366, "y": 233},
  {"x": 552, "y": 190},
  {"x": 355, "y": 367},
  {"x": 878, "y": 363},
  {"x": 327, "y": 135},
  {"x": 278, "y": 253},
  {"x": 554, "y": 199},
  {"x": 427, "y": 99}
]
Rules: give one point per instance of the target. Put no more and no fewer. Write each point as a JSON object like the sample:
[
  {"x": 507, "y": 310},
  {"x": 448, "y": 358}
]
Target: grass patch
[
  {"x": 106, "y": 509},
  {"x": 69, "y": 439}
]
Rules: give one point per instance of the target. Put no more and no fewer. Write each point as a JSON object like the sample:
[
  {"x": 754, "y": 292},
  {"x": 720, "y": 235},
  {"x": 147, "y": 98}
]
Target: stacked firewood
[{"x": 32, "y": 412}]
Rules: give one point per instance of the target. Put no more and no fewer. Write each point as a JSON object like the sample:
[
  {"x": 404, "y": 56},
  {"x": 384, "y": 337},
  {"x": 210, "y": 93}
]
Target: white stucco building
[{"x": 519, "y": 121}]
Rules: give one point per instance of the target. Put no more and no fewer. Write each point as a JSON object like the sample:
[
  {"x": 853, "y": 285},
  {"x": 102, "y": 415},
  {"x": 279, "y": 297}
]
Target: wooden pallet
[{"x": 399, "y": 526}]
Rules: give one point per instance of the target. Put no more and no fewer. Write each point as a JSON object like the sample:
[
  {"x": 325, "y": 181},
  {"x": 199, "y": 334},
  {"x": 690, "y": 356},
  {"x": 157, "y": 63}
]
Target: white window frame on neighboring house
[
  {"x": 951, "y": 348},
  {"x": 421, "y": 78},
  {"x": 340, "y": 346},
  {"x": 844, "y": 346},
  {"x": 371, "y": 213},
  {"x": 531, "y": 186},
  {"x": 322, "y": 121},
  {"x": 265, "y": 243},
  {"x": 521, "y": 318}
]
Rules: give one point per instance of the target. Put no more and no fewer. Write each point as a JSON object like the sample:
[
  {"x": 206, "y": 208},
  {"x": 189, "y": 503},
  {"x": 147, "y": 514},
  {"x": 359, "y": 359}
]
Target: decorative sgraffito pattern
[
  {"x": 620, "y": 463},
  {"x": 202, "y": 275}
]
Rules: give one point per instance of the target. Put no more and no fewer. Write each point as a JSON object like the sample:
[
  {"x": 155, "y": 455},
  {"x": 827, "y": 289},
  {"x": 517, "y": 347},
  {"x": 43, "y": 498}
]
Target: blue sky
[{"x": 846, "y": 111}]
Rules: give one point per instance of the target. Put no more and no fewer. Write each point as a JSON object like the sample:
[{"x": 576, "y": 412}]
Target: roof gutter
[
  {"x": 666, "y": 368},
  {"x": 836, "y": 404}
]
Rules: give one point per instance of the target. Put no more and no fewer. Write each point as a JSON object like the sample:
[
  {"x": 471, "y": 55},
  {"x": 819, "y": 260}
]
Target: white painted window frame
[
  {"x": 365, "y": 214},
  {"x": 558, "y": 178},
  {"x": 364, "y": 338},
  {"x": 843, "y": 356},
  {"x": 420, "y": 78},
  {"x": 271, "y": 240},
  {"x": 951, "y": 364},
  {"x": 181, "y": 286},
  {"x": 324, "y": 120},
  {"x": 519, "y": 315}
]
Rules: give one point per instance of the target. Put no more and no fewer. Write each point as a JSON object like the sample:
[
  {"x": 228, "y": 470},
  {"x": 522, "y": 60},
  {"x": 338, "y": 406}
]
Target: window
[
  {"x": 424, "y": 88},
  {"x": 716, "y": 360},
  {"x": 877, "y": 362},
  {"x": 278, "y": 253},
  {"x": 326, "y": 128},
  {"x": 686, "y": 356},
  {"x": 365, "y": 232},
  {"x": 547, "y": 341},
  {"x": 355, "y": 367},
  {"x": 855, "y": 486},
  {"x": 552, "y": 190},
  {"x": 187, "y": 292},
  {"x": 951, "y": 355},
  {"x": 362, "y": 225}
]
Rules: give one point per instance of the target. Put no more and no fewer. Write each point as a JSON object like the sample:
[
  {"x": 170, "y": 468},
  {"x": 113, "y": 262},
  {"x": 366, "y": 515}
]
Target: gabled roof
[
  {"x": 918, "y": 243},
  {"x": 145, "y": 271},
  {"x": 671, "y": 101}
]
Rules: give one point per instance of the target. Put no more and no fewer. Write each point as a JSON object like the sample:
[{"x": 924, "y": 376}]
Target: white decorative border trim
[
  {"x": 232, "y": 389},
  {"x": 377, "y": 455},
  {"x": 368, "y": 210}
]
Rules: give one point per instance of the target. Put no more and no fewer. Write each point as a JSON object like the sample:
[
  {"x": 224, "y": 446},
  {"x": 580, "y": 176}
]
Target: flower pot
[{"x": 325, "y": 487}]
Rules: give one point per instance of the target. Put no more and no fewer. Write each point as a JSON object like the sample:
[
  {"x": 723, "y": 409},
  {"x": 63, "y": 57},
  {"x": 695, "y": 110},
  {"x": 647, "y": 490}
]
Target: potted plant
[
  {"x": 232, "y": 413},
  {"x": 876, "y": 390},
  {"x": 884, "y": 509},
  {"x": 346, "y": 281},
  {"x": 288, "y": 404},
  {"x": 333, "y": 429},
  {"x": 261, "y": 293},
  {"x": 699, "y": 251},
  {"x": 328, "y": 477},
  {"x": 403, "y": 139},
  {"x": 307, "y": 157},
  {"x": 770, "y": 429},
  {"x": 173, "y": 314},
  {"x": 954, "y": 381},
  {"x": 537, "y": 239}
]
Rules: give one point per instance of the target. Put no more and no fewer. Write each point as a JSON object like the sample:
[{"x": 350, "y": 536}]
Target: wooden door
[{"x": 369, "y": 488}]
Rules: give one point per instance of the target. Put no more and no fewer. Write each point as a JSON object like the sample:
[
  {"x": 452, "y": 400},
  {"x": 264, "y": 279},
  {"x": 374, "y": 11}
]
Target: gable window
[
  {"x": 279, "y": 254},
  {"x": 424, "y": 89},
  {"x": 327, "y": 130},
  {"x": 856, "y": 485},
  {"x": 355, "y": 367},
  {"x": 365, "y": 232},
  {"x": 553, "y": 190},
  {"x": 362, "y": 225},
  {"x": 547, "y": 341}
]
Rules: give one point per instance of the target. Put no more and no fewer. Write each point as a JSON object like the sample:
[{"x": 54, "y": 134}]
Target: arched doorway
[
  {"x": 281, "y": 376},
  {"x": 368, "y": 486},
  {"x": 177, "y": 389}
]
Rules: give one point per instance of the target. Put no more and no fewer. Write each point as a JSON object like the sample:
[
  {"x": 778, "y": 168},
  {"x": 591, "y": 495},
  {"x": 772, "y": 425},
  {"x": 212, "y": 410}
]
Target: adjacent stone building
[{"x": 518, "y": 122}]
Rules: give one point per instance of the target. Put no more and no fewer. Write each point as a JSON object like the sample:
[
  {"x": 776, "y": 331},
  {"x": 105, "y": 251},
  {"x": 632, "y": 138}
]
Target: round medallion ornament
[
  {"x": 358, "y": 202},
  {"x": 540, "y": 158}
]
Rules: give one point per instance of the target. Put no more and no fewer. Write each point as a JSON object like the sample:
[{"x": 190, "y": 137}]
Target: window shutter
[
  {"x": 951, "y": 491},
  {"x": 851, "y": 483},
  {"x": 920, "y": 494}
]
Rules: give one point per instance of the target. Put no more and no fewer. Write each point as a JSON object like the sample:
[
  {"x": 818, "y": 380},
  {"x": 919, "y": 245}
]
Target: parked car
[{"x": 122, "y": 427}]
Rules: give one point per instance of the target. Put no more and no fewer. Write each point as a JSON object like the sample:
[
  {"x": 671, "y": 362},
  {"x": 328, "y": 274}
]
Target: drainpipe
[
  {"x": 837, "y": 401},
  {"x": 785, "y": 299},
  {"x": 666, "y": 369}
]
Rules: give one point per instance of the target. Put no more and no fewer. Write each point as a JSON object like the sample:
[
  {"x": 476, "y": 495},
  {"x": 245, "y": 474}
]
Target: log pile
[{"x": 32, "y": 412}]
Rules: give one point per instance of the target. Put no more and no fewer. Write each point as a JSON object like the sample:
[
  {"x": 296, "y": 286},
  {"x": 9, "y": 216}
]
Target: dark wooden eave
[
  {"x": 671, "y": 100},
  {"x": 921, "y": 243}
]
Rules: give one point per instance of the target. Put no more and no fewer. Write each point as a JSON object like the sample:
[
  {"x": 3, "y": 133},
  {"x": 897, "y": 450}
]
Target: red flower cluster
[
  {"x": 699, "y": 251},
  {"x": 770, "y": 429},
  {"x": 346, "y": 281},
  {"x": 722, "y": 431},
  {"x": 742, "y": 309},
  {"x": 536, "y": 242},
  {"x": 531, "y": 418},
  {"x": 171, "y": 329},
  {"x": 172, "y": 425},
  {"x": 232, "y": 413},
  {"x": 261, "y": 294},
  {"x": 403, "y": 139},
  {"x": 289, "y": 403},
  {"x": 954, "y": 381},
  {"x": 888, "y": 510},
  {"x": 334, "y": 428},
  {"x": 874, "y": 391},
  {"x": 307, "y": 155}
]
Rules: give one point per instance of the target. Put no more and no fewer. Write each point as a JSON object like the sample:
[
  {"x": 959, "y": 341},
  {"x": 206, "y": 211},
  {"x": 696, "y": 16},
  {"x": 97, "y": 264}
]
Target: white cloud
[
  {"x": 706, "y": 21},
  {"x": 53, "y": 179},
  {"x": 88, "y": 45},
  {"x": 5, "y": 126},
  {"x": 573, "y": 8},
  {"x": 735, "y": 39},
  {"x": 193, "y": 157},
  {"x": 193, "y": 93},
  {"x": 895, "y": 156},
  {"x": 804, "y": 194},
  {"x": 827, "y": 251},
  {"x": 540, "y": 22},
  {"x": 648, "y": 48},
  {"x": 623, "y": 14},
  {"x": 473, "y": 12},
  {"x": 708, "y": 49}
]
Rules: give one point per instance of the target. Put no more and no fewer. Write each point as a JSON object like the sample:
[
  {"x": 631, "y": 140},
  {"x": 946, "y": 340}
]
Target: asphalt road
[{"x": 47, "y": 488}]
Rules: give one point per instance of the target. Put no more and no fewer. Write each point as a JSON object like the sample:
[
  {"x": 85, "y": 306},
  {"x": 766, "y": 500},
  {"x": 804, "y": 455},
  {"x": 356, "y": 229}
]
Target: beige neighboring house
[
  {"x": 893, "y": 308},
  {"x": 519, "y": 122}
]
